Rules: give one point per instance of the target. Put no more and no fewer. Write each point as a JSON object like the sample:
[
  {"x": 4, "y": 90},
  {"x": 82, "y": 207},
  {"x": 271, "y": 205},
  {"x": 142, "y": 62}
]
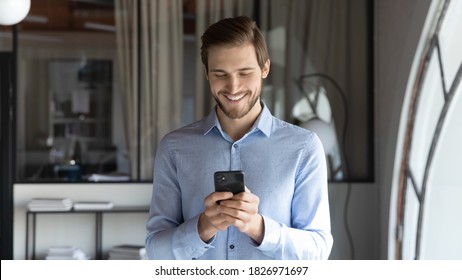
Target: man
[{"x": 284, "y": 211}]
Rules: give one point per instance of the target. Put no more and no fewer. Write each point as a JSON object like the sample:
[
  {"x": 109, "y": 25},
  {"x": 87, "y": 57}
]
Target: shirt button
[
  {"x": 235, "y": 146},
  {"x": 231, "y": 246}
]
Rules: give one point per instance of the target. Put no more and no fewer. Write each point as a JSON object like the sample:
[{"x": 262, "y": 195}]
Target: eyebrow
[{"x": 240, "y": 69}]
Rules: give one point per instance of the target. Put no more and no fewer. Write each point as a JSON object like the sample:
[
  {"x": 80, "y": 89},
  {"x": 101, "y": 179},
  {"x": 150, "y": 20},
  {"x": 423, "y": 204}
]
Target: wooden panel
[
  {"x": 57, "y": 13},
  {"x": 67, "y": 15}
]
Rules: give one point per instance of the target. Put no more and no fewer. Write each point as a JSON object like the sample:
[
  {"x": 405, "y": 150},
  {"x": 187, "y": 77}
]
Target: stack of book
[
  {"x": 93, "y": 205},
  {"x": 128, "y": 252},
  {"x": 65, "y": 253},
  {"x": 50, "y": 204}
]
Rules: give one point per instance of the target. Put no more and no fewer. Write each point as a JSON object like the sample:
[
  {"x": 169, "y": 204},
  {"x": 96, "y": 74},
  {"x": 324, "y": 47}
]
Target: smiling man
[{"x": 283, "y": 212}]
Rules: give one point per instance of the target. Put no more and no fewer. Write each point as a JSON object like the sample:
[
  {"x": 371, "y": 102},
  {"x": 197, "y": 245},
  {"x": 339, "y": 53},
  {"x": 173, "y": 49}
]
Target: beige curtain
[
  {"x": 209, "y": 12},
  {"x": 158, "y": 76}
]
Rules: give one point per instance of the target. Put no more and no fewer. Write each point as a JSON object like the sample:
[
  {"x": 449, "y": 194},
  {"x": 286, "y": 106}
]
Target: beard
[{"x": 238, "y": 113}]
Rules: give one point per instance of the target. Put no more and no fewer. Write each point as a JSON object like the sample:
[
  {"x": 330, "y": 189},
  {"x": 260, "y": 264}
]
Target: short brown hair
[{"x": 234, "y": 32}]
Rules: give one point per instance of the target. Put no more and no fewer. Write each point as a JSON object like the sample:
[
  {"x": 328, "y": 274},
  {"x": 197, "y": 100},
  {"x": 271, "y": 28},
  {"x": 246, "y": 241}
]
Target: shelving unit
[{"x": 31, "y": 226}]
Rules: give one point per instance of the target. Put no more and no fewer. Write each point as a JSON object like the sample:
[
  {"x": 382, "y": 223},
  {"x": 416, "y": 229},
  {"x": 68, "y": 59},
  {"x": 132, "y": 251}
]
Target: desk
[{"x": 31, "y": 219}]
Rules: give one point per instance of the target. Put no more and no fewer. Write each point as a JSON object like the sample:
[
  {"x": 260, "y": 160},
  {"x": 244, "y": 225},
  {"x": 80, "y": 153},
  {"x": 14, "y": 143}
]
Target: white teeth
[{"x": 235, "y": 98}]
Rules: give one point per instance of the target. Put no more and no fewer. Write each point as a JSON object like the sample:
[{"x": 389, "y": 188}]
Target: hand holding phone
[
  {"x": 229, "y": 181},
  {"x": 250, "y": 223}
]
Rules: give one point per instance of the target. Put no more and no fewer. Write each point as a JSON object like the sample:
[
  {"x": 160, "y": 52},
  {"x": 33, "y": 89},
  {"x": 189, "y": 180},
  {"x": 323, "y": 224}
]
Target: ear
[{"x": 266, "y": 69}]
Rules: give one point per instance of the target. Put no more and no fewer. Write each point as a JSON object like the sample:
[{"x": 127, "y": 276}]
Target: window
[
  {"x": 69, "y": 100},
  {"x": 98, "y": 87},
  {"x": 426, "y": 187}
]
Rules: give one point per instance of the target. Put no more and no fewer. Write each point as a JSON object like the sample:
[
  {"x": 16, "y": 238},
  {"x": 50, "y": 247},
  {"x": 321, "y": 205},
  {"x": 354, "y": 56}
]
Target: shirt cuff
[
  {"x": 272, "y": 235},
  {"x": 187, "y": 243}
]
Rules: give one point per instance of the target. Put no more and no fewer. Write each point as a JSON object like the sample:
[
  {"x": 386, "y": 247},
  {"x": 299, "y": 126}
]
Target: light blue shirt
[{"x": 284, "y": 166}]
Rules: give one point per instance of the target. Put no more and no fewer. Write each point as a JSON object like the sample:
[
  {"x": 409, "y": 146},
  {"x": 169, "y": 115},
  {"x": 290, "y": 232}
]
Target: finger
[
  {"x": 218, "y": 196},
  {"x": 214, "y": 215},
  {"x": 212, "y": 199},
  {"x": 220, "y": 222},
  {"x": 238, "y": 209},
  {"x": 246, "y": 197},
  {"x": 228, "y": 211},
  {"x": 240, "y": 220},
  {"x": 233, "y": 214}
]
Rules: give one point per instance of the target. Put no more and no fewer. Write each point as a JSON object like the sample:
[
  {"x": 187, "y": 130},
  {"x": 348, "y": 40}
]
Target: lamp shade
[
  {"x": 325, "y": 131},
  {"x": 13, "y": 11}
]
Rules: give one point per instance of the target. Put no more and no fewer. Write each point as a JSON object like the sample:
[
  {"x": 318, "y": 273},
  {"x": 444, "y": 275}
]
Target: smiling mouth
[{"x": 235, "y": 97}]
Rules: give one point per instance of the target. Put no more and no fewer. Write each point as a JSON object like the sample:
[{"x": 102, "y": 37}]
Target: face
[{"x": 235, "y": 80}]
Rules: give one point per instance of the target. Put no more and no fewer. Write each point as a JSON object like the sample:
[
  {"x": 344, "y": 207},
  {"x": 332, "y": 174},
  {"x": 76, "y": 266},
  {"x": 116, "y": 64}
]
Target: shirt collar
[{"x": 263, "y": 123}]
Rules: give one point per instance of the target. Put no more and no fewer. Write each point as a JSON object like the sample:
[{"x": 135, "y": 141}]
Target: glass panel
[
  {"x": 189, "y": 58},
  {"x": 153, "y": 84},
  {"x": 6, "y": 35},
  {"x": 431, "y": 101},
  {"x": 69, "y": 100},
  {"x": 449, "y": 148},
  {"x": 451, "y": 45},
  {"x": 320, "y": 60},
  {"x": 440, "y": 234}
]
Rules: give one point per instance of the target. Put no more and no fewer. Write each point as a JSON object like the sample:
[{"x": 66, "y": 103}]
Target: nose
[{"x": 233, "y": 84}]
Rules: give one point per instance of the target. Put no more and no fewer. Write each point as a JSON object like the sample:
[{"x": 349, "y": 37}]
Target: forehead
[{"x": 232, "y": 58}]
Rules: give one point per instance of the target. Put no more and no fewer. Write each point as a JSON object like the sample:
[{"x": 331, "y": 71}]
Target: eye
[
  {"x": 220, "y": 75},
  {"x": 243, "y": 74}
]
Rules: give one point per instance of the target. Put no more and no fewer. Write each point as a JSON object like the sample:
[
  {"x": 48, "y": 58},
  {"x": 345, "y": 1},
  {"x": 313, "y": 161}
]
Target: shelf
[
  {"x": 31, "y": 220},
  {"x": 118, "y": 209},
  {"x": 76, "y": 120}
]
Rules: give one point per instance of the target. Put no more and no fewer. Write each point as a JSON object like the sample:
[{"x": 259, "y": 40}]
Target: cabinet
[{"x": 31, "y": 223}]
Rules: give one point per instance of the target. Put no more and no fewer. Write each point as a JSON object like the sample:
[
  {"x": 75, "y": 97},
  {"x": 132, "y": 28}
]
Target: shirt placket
[{"x": 235, "y": 164}]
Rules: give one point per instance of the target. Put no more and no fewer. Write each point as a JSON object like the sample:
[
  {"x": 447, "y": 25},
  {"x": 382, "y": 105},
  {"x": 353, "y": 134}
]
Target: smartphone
[{"x": 229, "y": 181}]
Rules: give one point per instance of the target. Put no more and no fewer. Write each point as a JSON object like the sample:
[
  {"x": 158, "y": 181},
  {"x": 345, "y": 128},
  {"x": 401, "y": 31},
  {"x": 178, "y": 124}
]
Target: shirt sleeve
[
  {"x": 168, "y": 235},
  {"x": 309, "y": 235}
]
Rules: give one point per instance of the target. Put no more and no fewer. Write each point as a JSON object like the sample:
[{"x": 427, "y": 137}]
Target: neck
[{"x": 237, "y": 128}]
